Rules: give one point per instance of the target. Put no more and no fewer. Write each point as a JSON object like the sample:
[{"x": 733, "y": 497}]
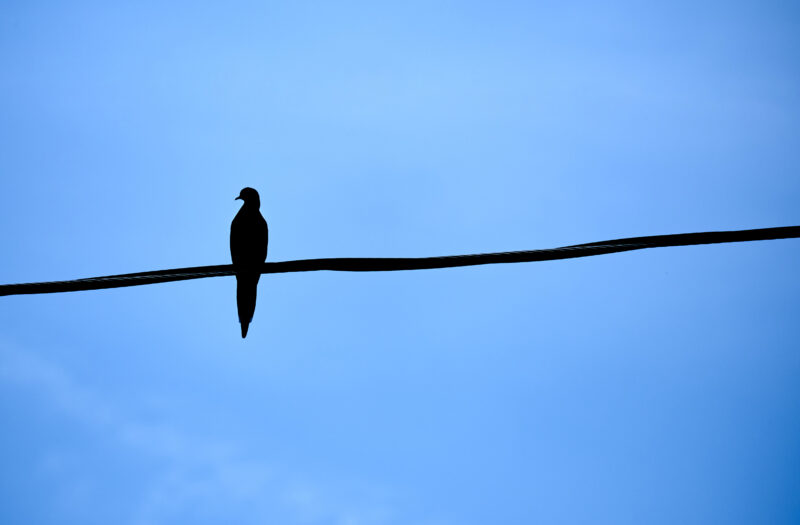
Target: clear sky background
[{"x": 659, "y": 387}]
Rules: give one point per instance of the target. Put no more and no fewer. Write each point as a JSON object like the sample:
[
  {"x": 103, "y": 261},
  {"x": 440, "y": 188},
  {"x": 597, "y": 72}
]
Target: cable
[{"x": 372, "y": 264}]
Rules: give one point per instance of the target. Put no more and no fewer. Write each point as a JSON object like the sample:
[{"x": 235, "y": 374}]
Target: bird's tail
[{"x": 246, "y": 288}]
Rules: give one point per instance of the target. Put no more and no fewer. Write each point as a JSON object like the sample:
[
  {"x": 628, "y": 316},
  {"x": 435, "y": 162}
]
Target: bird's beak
[{"x": 238, "y": 198}]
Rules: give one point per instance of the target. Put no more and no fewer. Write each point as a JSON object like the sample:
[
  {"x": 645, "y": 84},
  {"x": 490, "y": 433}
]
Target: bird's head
[{"x": 249, "y": 196}]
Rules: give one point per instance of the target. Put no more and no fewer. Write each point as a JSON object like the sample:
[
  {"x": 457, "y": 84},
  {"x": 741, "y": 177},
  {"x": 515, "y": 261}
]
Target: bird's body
[{"x": 249, "y": 239}]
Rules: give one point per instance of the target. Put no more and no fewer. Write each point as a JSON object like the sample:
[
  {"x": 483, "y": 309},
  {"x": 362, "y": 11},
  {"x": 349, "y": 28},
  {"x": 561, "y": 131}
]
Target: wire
[{"x": 373, "y": 264}]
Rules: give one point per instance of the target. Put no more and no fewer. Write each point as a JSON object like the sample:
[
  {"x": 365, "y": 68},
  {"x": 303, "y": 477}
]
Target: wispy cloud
[{"x": 196, "y": 477}]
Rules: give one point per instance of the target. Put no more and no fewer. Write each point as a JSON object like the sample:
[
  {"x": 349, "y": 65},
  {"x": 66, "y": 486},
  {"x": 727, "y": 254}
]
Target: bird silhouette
[{"x": 249, "y": 238}]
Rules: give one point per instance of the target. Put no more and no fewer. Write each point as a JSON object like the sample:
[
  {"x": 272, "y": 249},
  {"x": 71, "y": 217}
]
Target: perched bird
[{"x": 249, "y": 238}]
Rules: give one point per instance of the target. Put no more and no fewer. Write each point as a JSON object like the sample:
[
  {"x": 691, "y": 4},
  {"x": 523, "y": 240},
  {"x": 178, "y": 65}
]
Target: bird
[{"x": 249, "y": 239}]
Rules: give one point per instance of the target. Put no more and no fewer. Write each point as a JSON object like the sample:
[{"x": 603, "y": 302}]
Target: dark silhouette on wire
[
  {"x": 249, "y": 239},
  {"x": 405, "y": 263}
]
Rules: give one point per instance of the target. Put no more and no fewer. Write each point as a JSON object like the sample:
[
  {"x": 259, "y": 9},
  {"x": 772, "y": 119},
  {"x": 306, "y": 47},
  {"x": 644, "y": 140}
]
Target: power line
[{"x": 376, "y": 264}]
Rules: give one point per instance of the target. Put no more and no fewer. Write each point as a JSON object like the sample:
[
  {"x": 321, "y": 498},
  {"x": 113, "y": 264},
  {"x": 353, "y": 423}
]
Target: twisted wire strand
[{"x": 385, "y": 264}]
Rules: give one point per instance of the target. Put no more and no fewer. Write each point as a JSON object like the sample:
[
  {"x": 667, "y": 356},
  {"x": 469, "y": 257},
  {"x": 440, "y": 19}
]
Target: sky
[{"x": 659, "y": 386}]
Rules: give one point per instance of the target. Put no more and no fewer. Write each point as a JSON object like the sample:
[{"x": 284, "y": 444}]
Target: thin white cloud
[{"x": 196, "y": 476}]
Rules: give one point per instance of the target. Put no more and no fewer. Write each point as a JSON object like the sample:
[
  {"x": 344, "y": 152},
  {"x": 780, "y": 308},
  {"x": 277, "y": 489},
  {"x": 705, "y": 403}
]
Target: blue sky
[{"x": 649, "y": 387}]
